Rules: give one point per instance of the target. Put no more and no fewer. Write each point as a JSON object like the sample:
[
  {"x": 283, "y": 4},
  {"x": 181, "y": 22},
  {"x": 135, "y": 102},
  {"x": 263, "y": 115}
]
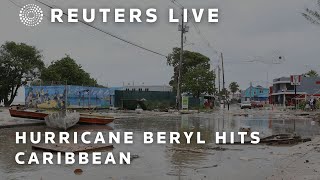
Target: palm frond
[{"x": 312, "y": 16}]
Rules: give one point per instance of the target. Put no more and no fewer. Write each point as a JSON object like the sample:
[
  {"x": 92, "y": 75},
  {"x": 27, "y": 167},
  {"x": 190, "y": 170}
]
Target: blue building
[
  {"x": 255, "y": 93},
  {"x": 77, "y": 96}
]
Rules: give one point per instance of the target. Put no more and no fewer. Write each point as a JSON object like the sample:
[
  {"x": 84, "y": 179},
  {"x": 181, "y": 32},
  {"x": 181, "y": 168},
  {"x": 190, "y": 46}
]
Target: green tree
[
  {"x": 67, "y": 70},
  {"x": 234, "y": 87},
  {"x": 224, "y": 92},
  {"x": 198, "y": 80},
  {"x": 312, "y": 73},
  {"x": 312, "y": 15},
  {"x": 19, "y": 63},
  {"x": 196, "y": 76}
]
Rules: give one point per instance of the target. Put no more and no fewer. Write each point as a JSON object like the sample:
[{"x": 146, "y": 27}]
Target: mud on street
[{"x": 184, "y": 161}]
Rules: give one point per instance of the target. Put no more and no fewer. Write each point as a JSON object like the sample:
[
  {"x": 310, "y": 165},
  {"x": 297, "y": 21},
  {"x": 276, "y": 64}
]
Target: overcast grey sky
[{"x": 246, "y": 29}]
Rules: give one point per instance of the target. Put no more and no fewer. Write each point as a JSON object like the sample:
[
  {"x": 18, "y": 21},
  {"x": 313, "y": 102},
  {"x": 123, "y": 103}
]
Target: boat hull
[
  {"x": 85, "y": 119},
  {"x": 62, "y": 120},
  {"x": 95, "y": 120},
  {"x": 27, "y": 114}
]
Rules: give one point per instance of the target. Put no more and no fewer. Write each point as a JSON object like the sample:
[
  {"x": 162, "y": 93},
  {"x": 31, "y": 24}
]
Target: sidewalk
[{"x": 301, "y": 162}]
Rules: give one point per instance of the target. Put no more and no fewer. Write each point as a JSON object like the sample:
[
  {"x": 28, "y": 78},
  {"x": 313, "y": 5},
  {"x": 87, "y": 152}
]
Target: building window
[{"x": 289, "y": 87}]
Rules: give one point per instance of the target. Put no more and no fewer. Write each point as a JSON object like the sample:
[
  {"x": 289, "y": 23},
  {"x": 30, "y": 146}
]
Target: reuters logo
[{"x": 31, "y": 15}]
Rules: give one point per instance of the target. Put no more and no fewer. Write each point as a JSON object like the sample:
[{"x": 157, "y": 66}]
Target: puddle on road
[
  {"x": 163, "y": 161},
  {"x": 265, "y": 123}
]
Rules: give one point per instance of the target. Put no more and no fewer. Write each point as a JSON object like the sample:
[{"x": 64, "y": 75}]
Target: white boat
[{"x": 62, "y": 120}]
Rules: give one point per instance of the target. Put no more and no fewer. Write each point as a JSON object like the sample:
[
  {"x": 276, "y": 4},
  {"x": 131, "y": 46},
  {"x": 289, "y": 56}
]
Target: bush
[
  {"x": 302, "y": 104},
  {"x": 161, "y": 105},
  {"x": 318, "y": 104}
]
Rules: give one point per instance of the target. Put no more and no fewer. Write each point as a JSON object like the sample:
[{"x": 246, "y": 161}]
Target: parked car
[
  {"x": 245, "y": 105},
  {"x": 256, "y": 104}
]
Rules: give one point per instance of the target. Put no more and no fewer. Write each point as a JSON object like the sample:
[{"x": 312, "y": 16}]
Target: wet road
[{"x": 171, "y": 161}]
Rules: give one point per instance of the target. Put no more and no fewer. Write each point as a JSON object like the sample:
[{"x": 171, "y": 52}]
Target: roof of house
[{"x": 264, "y": 94}]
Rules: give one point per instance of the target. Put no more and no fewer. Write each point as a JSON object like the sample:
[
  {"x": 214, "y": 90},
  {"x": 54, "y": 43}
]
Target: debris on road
[
  {"x": 205, "y": 167},
  {"x": 245, "y": 129},
  {"x": 245, "y": 114},
  {"x": 134, "y": 156},
  {"x": 190, "y": 150},
  {"x": 281, "y": 139},
  {"x": 78, "y": 171},
  {"x": 250, "y": 159}
]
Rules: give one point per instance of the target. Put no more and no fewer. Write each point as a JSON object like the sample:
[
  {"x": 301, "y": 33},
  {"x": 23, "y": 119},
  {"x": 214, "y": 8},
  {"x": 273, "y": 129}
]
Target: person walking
[
  {"x": 311, "y": 103},
  {"x": 228, "y": 102}
]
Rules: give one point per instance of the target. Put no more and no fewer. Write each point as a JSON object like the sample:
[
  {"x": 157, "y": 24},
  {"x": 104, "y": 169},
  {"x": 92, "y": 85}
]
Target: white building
[{"x": 236, "y": 95}]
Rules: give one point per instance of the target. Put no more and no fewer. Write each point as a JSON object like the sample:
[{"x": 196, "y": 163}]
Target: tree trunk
[
  {"x": 198, "y": 96},
  {"x": 13, "y": 94},
  {"x": 6, "y": 102}
]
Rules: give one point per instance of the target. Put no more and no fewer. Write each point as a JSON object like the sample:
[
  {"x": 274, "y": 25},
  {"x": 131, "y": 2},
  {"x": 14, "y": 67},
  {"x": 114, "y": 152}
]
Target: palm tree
[
  {"x": 312, "y": 73},
  {"x": 312, "y": 15},
  {"x": 234, "y": 87}
]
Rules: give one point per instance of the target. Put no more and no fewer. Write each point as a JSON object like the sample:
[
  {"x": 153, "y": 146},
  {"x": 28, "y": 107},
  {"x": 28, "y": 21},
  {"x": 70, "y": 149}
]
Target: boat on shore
[
  {"x": 95, "y": 119},
  {"x": 27, "y": 114},
  {"x": 62, "y": 120},
  {"x": 84, "y": 118}
]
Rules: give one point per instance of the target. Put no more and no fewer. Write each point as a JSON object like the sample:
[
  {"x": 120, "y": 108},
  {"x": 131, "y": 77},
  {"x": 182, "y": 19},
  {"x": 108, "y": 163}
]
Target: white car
[{"x": 245, "y": 104}]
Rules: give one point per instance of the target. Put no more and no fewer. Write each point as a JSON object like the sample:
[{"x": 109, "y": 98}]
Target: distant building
[
  {"x": 159, "y": 88},
  {"x": 255, "y": 93},
  {"x": 236, "y": 95},
  {"x": 146, "y": 96},
  {"x": 282, "y": 90}
]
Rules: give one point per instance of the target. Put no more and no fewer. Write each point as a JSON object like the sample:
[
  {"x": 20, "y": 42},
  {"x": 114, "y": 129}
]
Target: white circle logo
[{"x": 31, "y": 15}]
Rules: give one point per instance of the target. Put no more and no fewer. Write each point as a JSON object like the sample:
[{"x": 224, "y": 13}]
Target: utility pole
[
  {"x": 219, "y": 72},
  {"x": 267, "y": 83},
  {"x": 223, "y": 82},
  {"x": 183, "y": 30},
  {"x": 250, "y": 91},
  {"x": 89, "y": 101},
  {"x": 284, "y": 99},
  {"x": 295, "y": 95}
]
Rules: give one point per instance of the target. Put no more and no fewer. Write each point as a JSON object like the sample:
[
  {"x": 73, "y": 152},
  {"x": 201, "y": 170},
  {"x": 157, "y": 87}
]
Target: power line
[
  {"x": 101, "y": 30},
  {"x": 177, "y": 3},
  {"x": 15, "y": 4},
  {"x": 203, "y": 37},
  {"x": 197, "y": 29},
  {"x": 110, "y": 34}
]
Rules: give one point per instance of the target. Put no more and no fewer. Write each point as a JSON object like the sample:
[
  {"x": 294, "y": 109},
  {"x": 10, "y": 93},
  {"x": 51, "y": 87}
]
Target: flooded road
[{"x": 171, "y": 161}]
